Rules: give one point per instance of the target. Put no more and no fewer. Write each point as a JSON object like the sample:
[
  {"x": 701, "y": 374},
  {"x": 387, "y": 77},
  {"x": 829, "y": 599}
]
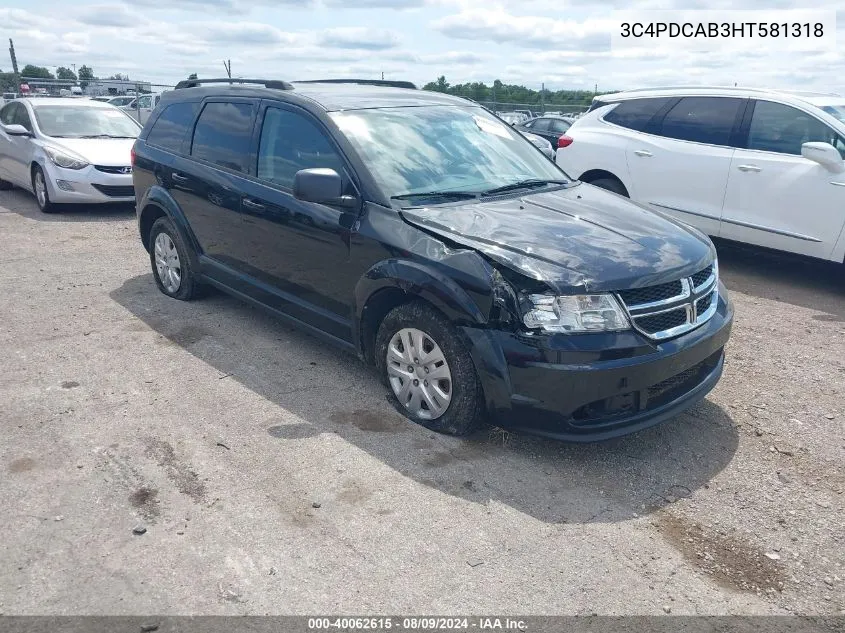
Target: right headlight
[
  {"x": 61, "y": 158},
  {"x": 574, "y": 314}
]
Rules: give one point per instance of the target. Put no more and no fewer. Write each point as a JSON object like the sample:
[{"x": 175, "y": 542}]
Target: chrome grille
[
  {"x": 110, "y": 169},
  {"x": 671, "y": 309}
]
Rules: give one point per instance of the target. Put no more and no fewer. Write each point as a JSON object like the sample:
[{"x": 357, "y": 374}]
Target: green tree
[
  {"x": 120, "y": 77},
  {"x": 36, "y": 72},
  {"x": 65, "y": 73},
  {"x": 192, "y": 76},
  {"x": 86, "y": 74}
]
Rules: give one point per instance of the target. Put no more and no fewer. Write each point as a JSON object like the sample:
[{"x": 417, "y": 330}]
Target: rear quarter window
[
  {"x": 172, "y": 125},
  {"x": 636, "y": 113}
]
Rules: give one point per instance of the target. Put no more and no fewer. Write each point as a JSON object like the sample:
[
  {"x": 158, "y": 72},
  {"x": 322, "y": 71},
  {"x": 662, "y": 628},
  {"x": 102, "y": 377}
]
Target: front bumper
[
  {"x": 88, "y": 185},
  {"x": 597, "y": 386}
]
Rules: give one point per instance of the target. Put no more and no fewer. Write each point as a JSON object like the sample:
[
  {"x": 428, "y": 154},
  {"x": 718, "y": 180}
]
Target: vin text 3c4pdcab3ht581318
[{"x": 424, "y": 234}]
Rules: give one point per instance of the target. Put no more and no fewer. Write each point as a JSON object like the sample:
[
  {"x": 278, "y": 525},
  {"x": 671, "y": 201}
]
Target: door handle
[
  {"x": 643, "y": 152},
  {"x": 252, "y": 205},
  {"x": 177, "y": 177},
  {"x": 748, "y": 168}
]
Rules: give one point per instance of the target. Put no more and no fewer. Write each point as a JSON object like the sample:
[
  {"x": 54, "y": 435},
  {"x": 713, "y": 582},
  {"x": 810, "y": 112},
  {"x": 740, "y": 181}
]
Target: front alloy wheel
[
  {"x": 419, "y": 374},
  {"x": 425, "y": 361}
]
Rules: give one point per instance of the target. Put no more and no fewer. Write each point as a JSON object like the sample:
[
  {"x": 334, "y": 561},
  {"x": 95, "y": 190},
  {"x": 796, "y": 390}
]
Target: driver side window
[
  {"x": 776, "y": 127},
  {"x": 21, "y": 117},
  {"x": 7, "y": 114},
  {"x": 290, "y": 142}
]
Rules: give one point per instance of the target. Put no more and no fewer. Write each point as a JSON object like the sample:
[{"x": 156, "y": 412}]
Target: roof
[
  {"x": 815, "y": 98},
  {"x": 329, "y": 96}
]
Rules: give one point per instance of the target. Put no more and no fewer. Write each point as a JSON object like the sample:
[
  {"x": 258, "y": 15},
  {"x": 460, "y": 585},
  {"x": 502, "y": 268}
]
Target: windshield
[
  {"x": 837, "y": 111},
  {"x": 442, "y": 148},
  {"x": 121, "y": 101},
  {"x": 81, "y": 122}
]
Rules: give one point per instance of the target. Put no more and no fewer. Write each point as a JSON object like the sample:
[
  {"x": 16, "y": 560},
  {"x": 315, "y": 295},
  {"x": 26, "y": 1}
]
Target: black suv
[{"x": 424, "y": 234}]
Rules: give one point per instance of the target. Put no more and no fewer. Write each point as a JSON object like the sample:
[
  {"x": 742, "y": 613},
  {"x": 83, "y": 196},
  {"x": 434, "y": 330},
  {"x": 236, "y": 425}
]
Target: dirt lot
[{"x": 272, "y": 476}]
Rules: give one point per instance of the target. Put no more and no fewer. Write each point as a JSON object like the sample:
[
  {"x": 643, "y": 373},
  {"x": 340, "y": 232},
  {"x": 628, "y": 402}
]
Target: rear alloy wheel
[
  {"x": 39, "y": 187},
  {"x": 170, "y": 262},
  {"x": 423, "y": 359}
]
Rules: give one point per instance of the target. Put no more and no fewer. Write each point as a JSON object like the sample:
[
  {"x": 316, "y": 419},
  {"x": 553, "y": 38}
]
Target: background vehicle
[
  {"x": 757, "y": 166},
  {"x": 550, "y": 128},
  {"x": 512, "y": 118},
  {"x": 122, "y": 100},
  {"x": 434, "y": 241},
  {"x": 141, "y": 107},
  {"x": 542, "y": 144},
  {"x": 103, "y": 99},
  {"x": 67, "y": 150}
]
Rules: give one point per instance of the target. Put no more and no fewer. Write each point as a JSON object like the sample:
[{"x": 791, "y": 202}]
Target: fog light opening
[{"x": 64, "y": 185}]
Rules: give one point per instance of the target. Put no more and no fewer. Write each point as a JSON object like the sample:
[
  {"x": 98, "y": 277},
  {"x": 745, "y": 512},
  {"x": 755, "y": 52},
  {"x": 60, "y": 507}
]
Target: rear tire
[
  {"x": 417, "y": 344},
  {"x": 171, "y": 264},
  {"x": 39, "y": 187},
  {"x": 610, "y": 184}
]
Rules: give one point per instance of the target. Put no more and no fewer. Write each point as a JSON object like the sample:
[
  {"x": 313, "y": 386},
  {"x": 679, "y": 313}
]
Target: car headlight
[
  {"x": 64, "y": 159},
  {"x": 575, "y": 314}
]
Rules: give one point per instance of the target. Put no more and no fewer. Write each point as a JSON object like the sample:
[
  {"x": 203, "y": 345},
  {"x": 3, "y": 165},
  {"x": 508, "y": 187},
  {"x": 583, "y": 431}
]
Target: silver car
[{"x": 67, "y": 151}]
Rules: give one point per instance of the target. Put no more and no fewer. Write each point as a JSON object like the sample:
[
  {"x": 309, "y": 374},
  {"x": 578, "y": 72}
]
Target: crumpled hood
[
  {"x": 581, "y": 237},
  {"x": 114, "y": 152}
]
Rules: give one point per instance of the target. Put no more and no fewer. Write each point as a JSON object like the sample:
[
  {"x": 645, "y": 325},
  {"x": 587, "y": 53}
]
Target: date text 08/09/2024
[{"x": 416, "y": 624}]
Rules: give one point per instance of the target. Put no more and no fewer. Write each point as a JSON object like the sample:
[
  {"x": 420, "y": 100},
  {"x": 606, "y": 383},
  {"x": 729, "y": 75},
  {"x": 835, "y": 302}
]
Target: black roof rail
[
  {"x": 366, "y": 82},
  {"x": 267, "y": 83}
]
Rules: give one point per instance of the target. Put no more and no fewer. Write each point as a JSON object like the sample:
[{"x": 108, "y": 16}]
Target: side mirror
[
  {"x": 15, "y": 129},
  {"x": 824, "y": 154},
  {"x": 323, "y": 186}
]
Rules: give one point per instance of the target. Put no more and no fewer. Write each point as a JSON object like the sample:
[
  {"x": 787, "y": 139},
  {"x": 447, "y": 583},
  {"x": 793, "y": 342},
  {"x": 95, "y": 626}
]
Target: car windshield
[
  {"x": 416, "y": 150},
  {"x": 121, "y": 101},
  {"x": 837, "y": 111},
  {"x": 85, "y": 122}
]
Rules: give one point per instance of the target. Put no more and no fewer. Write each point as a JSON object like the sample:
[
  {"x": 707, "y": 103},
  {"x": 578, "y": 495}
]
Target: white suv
[{"x": 756, "y": 166}]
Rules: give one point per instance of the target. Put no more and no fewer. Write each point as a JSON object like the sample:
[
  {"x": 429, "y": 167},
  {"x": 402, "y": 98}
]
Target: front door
[
  {"x": 300, "y": 249},
  {"x": 777, "y": 198}
]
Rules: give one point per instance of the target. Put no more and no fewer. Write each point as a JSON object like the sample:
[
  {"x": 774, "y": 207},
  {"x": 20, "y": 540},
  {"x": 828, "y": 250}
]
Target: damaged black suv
[{"x": 432, "y": 239}]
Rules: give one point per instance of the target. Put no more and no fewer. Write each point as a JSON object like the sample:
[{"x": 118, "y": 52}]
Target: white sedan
[{"x": 67, "y": 151}]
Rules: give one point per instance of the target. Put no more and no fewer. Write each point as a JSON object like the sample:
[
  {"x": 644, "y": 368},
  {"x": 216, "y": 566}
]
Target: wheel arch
[
  {"x": 391, "y": 283},
  {"x": 595, "y": 174},
  {"x": 157, "y": 203}
]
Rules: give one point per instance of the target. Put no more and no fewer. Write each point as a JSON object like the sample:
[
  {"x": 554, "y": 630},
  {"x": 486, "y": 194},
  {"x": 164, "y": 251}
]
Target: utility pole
[
  {"x": 12, "y": 54},
  {"x": 543, "y": 97},
  {"x": 227, "y": 64},
  {"x": 596, "y": 91},
  {"x": 382, "y": 75},
  {"x": 74, "y": 68}
]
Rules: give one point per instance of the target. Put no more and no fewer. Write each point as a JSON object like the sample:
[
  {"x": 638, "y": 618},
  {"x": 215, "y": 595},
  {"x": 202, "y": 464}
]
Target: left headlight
[
  {"x": 574, "y": 314},
  {"x": 64, "y": 159}
]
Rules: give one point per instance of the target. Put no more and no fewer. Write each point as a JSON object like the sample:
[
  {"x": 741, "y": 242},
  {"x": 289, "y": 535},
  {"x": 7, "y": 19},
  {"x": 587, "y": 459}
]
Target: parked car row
[{"x": 755, "y": 166}]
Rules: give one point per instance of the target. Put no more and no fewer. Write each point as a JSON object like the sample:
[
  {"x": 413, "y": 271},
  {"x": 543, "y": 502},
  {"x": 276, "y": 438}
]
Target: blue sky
[{"x": 530, "y": 42}]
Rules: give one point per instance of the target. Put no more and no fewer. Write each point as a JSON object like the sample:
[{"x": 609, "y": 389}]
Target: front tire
[
  {"x": 170, "y": 262},
  {"x": 39, "y": 187},
  {"x": 425, "y": 363}
]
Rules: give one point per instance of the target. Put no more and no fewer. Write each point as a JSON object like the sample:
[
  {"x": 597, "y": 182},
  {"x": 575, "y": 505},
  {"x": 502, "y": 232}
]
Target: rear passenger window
[
  {"x": 290, "y": 142},
  {"x": 702, "y": 120},
  {"x": 169, "y": 129},
  {"x": 781, "y": 128},
  {"x": 540, "y": 125},
  {"x": 636, "y": 113},
  {"x": 222, "y": 135}
]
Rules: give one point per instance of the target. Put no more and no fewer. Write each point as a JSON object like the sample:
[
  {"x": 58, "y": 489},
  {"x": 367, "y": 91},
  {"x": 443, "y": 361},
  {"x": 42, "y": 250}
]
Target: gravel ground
[{"x": 269, "y": 474}]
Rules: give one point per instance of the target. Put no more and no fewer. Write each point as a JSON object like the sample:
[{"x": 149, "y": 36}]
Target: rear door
[
  {"x": 776, "y": 197},
  {"x": 207, "y": 186},
  {"x": 680, "y": 163}
]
